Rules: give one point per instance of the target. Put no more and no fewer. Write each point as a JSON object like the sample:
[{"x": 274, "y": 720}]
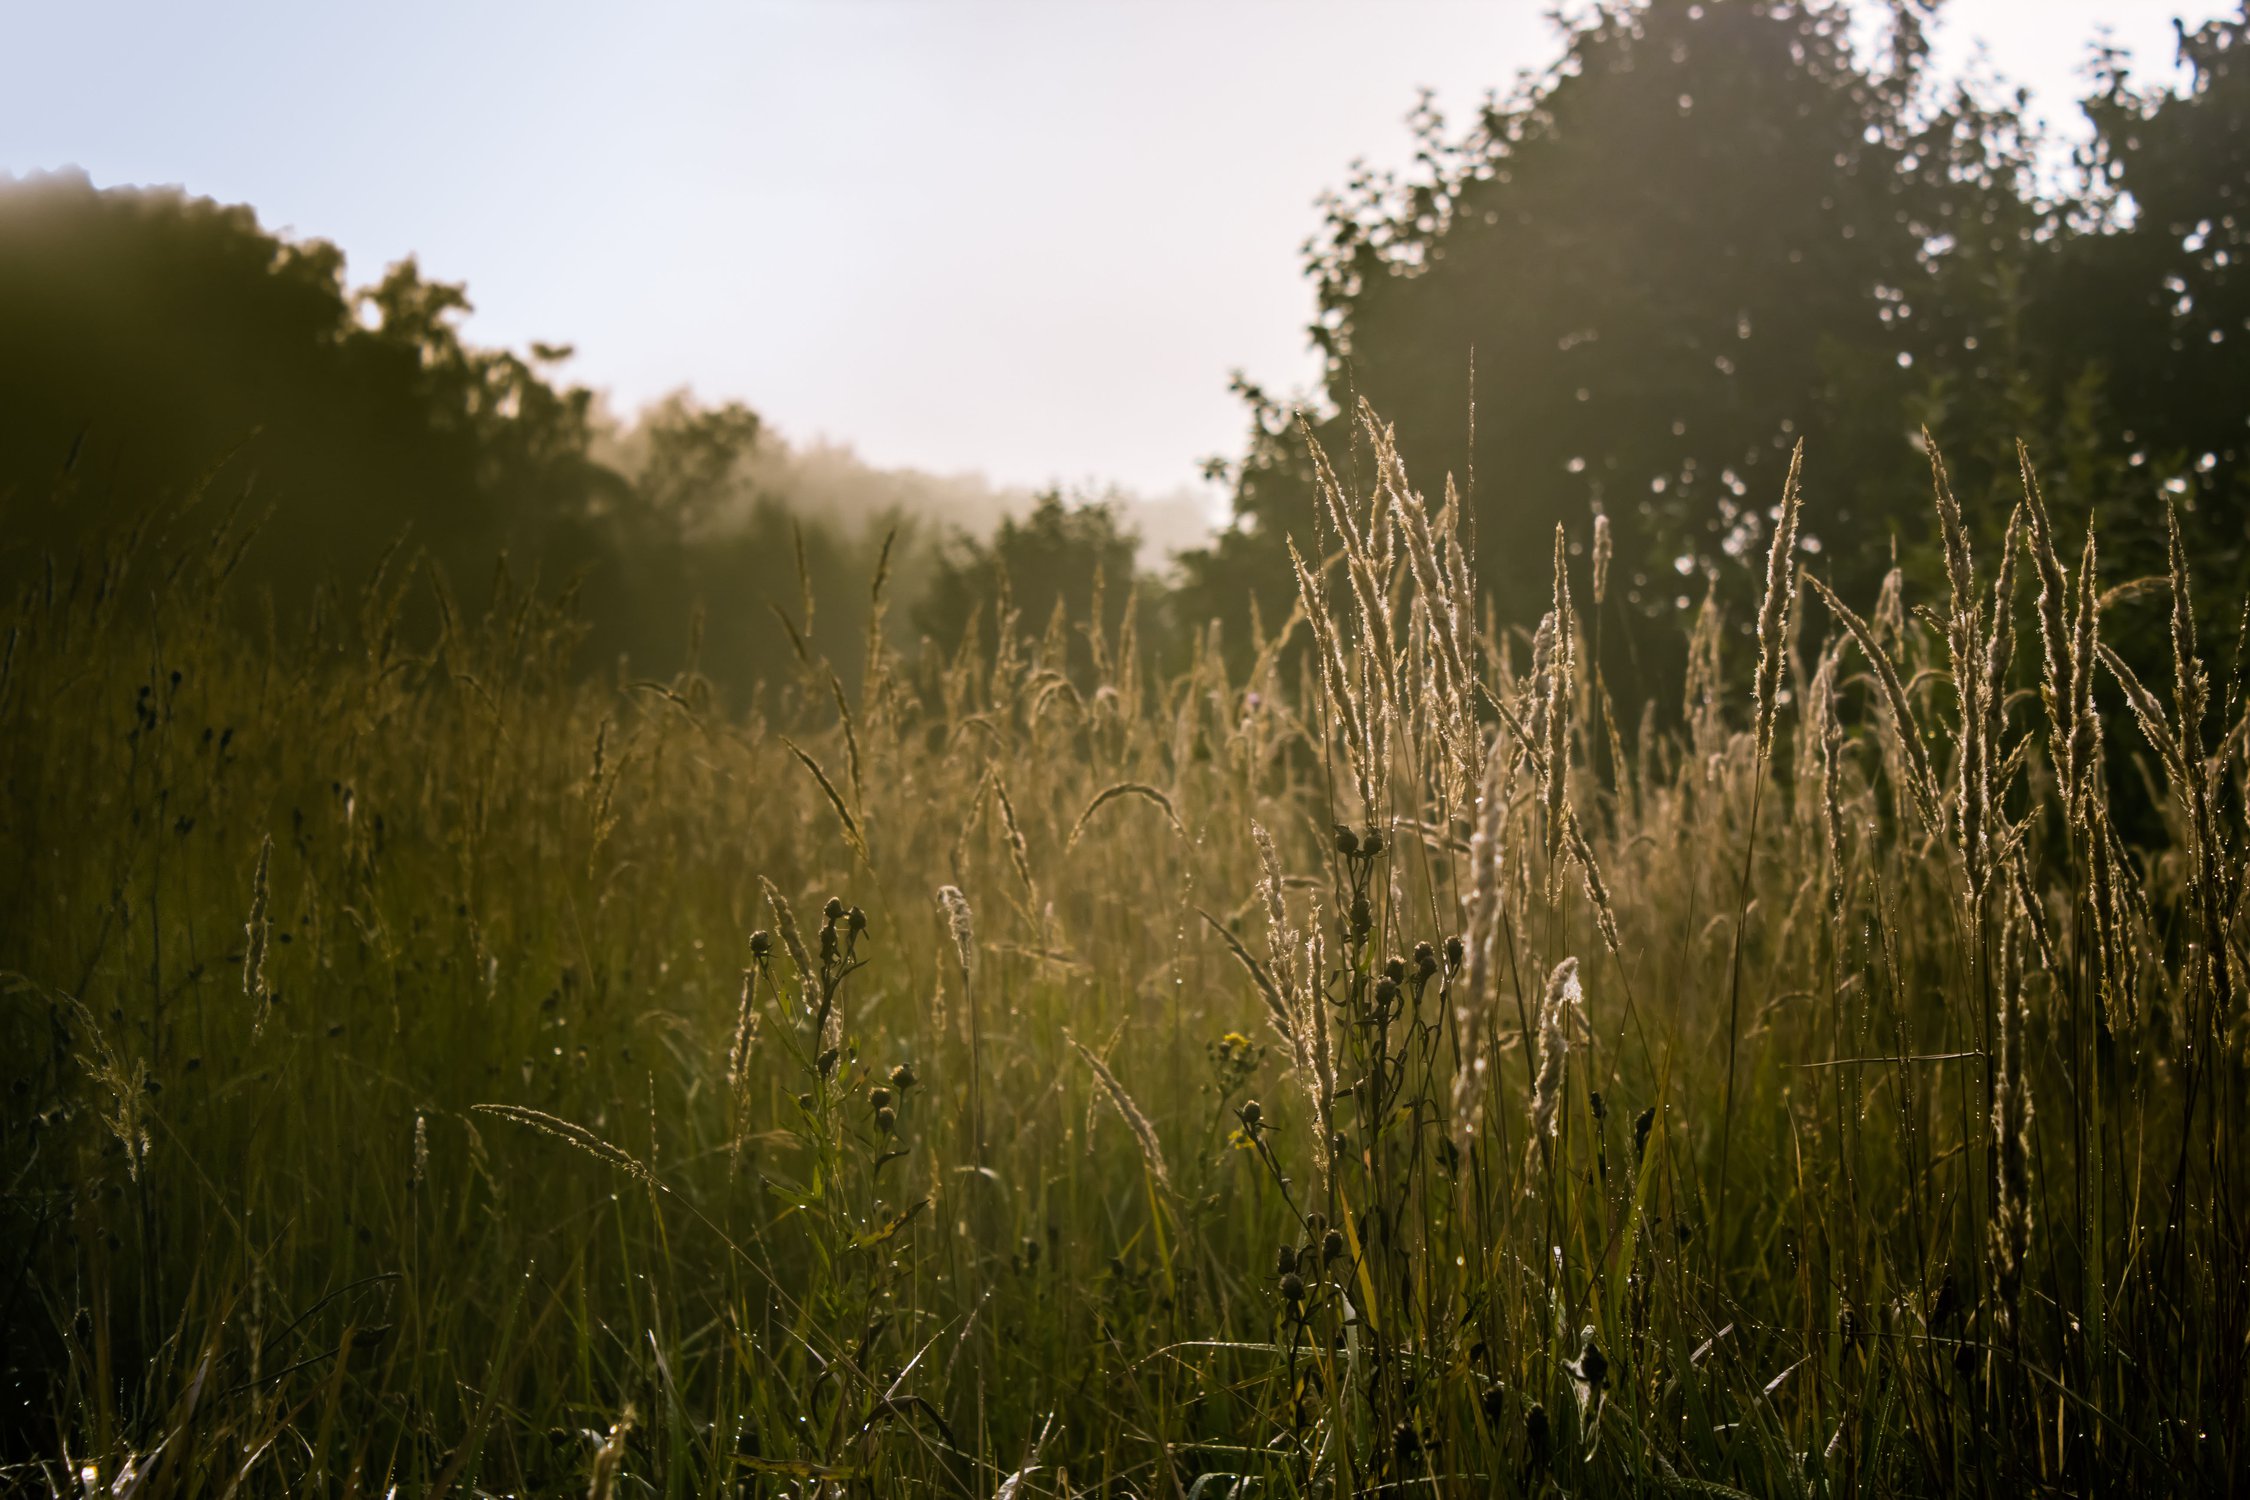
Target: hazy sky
[{"x": 1027, "y": 238}]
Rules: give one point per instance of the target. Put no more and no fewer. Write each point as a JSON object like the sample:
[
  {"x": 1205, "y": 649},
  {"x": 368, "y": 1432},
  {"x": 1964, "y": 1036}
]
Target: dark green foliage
[
  {"x": 158, "y": 344},
  {"x": 1709, "y": 230},
  {"x": 164, "y": 359},
  {"x": 1063, "y": 562},
  {"x": 2155, "y": 295}
]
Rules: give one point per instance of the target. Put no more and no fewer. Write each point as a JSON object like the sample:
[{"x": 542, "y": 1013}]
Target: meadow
[{"x": 1400, "y": 1068}]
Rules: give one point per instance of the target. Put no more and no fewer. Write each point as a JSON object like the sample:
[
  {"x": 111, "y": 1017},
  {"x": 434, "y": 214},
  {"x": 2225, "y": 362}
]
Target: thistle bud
[
  {"x": 1536, "y": 1435},
  {"x": 1347, "y": 842},
  {"x": 1332, "y": 1245},
  {"x": 834, "y": 910},
  {"x": 855, "y": 920},
  {"x": 879, "y": 1097},
  {"x": 1425, "y": 960},
  {"x": 886, "y": 1119},
  {"x": 902, "y": 1077},
  {"x": 1372, "y": 844},
  {"x": 1363, "y": 917},
  {"x": 1251, "y": 1115},
  {"x": 1293, "y": 1289},
  {"x": 1454, "y": 952},
  {"x": 1394, "y": 969},
  {"x": 1285, "y": 1261},
  {"x": 761, "y": 944},
  {"x": 1593, "y": 1365}
]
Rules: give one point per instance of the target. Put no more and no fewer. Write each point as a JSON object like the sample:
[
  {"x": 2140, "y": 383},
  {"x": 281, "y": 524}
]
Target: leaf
[
  {"x": 891, "y": 1226},
  {"x": 795, "y": 1468}
]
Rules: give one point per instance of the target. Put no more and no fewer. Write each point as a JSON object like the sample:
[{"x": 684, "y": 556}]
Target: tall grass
[{"x": 430, "y": 1069}]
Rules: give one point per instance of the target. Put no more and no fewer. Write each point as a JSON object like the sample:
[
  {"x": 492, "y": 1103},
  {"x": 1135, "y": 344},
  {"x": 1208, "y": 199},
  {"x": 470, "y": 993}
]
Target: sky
[{"x": 1025, "y": 238}]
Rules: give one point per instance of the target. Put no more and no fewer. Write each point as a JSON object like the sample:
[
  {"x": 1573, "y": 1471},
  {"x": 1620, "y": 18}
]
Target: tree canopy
[
  {"x": 160, "y": 344},
  {"x": 1710, "y": 230},
  {"x": 165, "y": 360},
  {"x": 1060, "y": 568}
]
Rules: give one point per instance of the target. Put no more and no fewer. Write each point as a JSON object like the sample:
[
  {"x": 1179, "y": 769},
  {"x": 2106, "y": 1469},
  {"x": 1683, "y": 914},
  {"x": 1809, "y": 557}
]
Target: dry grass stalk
[
  {"x": 1980, "y": 808},
  {"x": 257, "y": 933},
  {"x": 1339, "y": 690},
  {"x": 738, "y": 1063},
  {"x": 1597, "y": 889},
  {"x": 1110, "y": 794},
  {"x": 2149, "y": 713},
  {"x": 1311, "y": 1030},
  {"x": 852, "y": 834},
  {"x": 1778, "y": 604},
  {"x": 2011, "y": 1130},
  {"x": 1282, "y": 939},
  {"x": 1602, "y": 550},
  {"x": 1278, "y": 1014},
  {"x": 851, "y": 742},
  {"x": 1553, "y": 684},
  {"x": 1907, "y": 729},
  {"x": 1019, "y": 852},
  {"x": 2214, "y": 869},
  {"x": 574, "y": 1135},
  {"x": 786, "y": 921},
  {"x": 960, "y": 926},
  {"x": 1144, "y": 1133},
  {"x": 1560, "y": 1017},
  {"x": 2061, "y": 657},
  {"x": 1828, "y": 736},
  {"x": 2084, "y": 744},
  {"x": 1484, "y": 927},
  {"x": 1964, "y": 654},
  {"x": 1367, "y": 571}
]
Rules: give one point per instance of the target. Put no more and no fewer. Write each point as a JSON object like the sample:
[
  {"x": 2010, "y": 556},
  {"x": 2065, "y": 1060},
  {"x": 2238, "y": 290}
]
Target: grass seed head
[
  {"x": 258, "y": 931},
  {"x": 1557, "y": 1019},
  {"x": 1775, "y": 608},
  {"x": 960, "y": 925},
  {"x": 1602, "y": 550}
]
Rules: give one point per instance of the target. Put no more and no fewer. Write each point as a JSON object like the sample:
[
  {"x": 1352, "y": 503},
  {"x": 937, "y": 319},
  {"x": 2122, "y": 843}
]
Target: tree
[
  {"x": 157, "y": 345},
  {"x": 1062, "y": 563},
  {"x": 1707, "y": 232},
  {"x": 2152, "y": 293},
  {"x": 164, "y": 356},
  {"x": 690, "y": 473}
]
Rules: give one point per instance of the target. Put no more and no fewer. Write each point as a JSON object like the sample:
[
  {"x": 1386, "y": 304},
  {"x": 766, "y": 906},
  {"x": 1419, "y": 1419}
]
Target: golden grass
[{"x": 1849, "y": 1110}]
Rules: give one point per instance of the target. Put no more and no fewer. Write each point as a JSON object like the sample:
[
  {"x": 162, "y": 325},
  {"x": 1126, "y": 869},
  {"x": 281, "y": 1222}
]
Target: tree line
[
  {"x": 1628, "y": 286},
  {"x": 1711, "y": 229}
]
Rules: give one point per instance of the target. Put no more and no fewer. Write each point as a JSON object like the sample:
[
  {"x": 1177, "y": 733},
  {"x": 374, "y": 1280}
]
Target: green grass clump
[{"x": 1398, "y": 1068}]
